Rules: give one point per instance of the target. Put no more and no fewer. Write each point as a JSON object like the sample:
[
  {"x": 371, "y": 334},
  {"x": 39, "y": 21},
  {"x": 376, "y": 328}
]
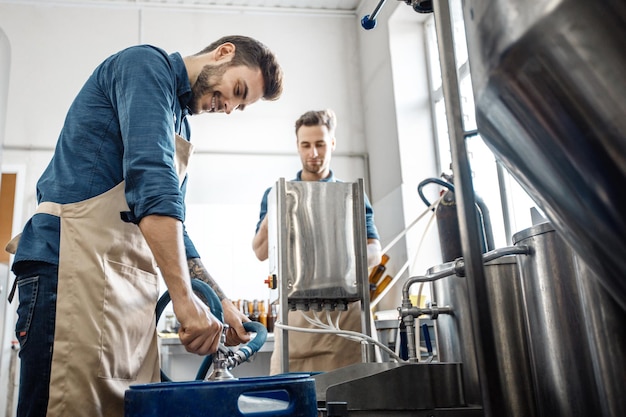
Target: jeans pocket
[
  {"x": 129, "y": 326},
  {"x": 28, "y": 288}
]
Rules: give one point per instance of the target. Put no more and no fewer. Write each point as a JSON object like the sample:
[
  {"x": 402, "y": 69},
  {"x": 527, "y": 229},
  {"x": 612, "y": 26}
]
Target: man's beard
[
  {"x": 314, "y": 168},
  {"x": 207, "y": 80}
]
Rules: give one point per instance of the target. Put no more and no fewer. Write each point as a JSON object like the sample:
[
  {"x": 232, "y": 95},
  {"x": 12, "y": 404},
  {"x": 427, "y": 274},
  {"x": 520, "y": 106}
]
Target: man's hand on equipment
[
  {"x": 374, "y": 253},
  {"x": 200, "y": 330},
  {"x": 235, "y": 334}
]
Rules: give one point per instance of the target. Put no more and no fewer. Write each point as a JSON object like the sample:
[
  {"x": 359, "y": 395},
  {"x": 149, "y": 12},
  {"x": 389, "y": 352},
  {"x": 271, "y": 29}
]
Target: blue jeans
[{"x": 37, "y": 284}]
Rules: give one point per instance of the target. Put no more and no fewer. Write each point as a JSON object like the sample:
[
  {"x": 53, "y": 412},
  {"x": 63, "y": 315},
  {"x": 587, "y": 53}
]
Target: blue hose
[
  {"x": 482, "y": 211},
  {"x": 441, "y": 182},
  {"x": 427, "y": 341},
  {"x": 215, "y": 305},
  {"x": 260, "y": 338},
  {"x": 205, "y": 291}
]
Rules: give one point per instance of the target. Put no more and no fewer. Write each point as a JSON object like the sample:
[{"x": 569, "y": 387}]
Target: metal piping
[
  {"x": 459, "y": 267},
  {"x": 504, "y": 202},
  {"x": 409, "y": 313}
]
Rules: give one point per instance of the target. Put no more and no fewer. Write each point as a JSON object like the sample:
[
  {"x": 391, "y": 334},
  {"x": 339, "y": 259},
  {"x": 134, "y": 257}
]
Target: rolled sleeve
[
  {"x": 143, "y": 89},
  {"x": 370, "y": 226},
  {"x": 263, "y": 211}
]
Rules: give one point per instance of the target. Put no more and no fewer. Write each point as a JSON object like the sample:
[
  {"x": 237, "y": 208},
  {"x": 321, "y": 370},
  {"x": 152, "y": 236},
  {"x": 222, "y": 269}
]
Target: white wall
[
  {"x": 5, "y": 62},
  {"x": 8, "y": 317},
  {"x": 396, "y": 109},
  {"x": 368, "y": 77},
  {"x": 55, "y": 47},
  {"x": 7, "y": 311},
  {"x": 329, "y": 61}
]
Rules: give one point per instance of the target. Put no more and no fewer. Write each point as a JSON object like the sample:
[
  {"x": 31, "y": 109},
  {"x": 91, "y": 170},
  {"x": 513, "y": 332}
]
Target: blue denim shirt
[
  {"x": 371, "y": 230},
  {"x": 120, "y": 126}
]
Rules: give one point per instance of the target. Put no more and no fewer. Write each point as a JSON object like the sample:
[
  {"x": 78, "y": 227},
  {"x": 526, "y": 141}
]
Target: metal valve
[{"x": 222, "y": 360}]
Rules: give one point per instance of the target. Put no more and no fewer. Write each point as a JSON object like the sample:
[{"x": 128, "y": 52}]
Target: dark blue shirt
[
  {"x": 372, "y": 232},
  {"x": 120, "y": 126}
]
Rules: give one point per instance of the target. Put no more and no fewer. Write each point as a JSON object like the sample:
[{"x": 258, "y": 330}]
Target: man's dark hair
[
  {"x": 318, "y": 118},
  {"x": 254, "y": 54}
]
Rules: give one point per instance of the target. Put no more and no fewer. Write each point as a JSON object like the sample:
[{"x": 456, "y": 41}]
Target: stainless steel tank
[
  {"x": 316, "y": 239},
  {"x": 560, "y": 347},
  {"x": 455, "y": 339},
  {"x": 550, "y": 95},
  {"x": 605, "y": 323}
]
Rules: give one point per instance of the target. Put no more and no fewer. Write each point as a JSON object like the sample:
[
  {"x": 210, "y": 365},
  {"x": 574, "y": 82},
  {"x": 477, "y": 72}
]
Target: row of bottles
[{"x": 256, "y": 310}]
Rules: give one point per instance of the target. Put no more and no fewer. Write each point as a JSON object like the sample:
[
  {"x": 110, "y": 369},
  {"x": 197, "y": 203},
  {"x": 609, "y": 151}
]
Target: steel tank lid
[{"x": 535, "y": 230}]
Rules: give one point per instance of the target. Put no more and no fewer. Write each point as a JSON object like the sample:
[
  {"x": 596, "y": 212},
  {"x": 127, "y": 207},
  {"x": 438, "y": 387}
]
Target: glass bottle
[
  {"x": 271, "y": 317},
  {"x": 262, "y": 314}
]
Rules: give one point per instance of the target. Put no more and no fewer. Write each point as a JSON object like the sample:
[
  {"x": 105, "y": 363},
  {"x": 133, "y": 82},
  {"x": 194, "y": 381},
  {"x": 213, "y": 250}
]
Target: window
[{"x": 490, "y": 181}]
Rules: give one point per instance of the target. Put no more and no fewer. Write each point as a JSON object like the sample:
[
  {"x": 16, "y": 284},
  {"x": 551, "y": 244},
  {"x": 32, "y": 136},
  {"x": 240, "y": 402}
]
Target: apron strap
[
  {"x": 48, "y": 207},
  {"x": 11, "y": 247},
  {"x": 12, "y": 292}
]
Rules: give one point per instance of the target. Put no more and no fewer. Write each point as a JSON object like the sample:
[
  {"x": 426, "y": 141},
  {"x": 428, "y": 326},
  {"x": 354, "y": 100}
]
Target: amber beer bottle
[
  {"x": 377, "y": 273},
  {"x": 262, "y": 314},
  {"x": 380, "y": 287},
  {"x": 271, "y": 316}
]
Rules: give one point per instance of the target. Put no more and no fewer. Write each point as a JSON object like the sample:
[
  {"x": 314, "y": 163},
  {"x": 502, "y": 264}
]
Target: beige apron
[
  {"x": 105, "y": 335},
  {"x": 315, "y": 352}
]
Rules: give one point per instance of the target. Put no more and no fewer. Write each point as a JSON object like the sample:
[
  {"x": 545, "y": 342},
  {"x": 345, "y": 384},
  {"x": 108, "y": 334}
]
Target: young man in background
[{"x": 315, "y": 141}]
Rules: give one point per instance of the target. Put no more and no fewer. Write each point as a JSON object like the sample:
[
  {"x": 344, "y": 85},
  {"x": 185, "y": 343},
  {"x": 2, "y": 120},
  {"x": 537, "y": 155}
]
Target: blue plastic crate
[{"x": 282, "y": 395}]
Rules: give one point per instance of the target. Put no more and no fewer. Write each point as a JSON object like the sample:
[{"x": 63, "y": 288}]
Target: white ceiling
[
  {"x": 300, "y": 5},
  {"x": 350, "y": 5}
]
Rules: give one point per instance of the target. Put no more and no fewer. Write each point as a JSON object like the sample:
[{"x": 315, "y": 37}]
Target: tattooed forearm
[{"x": 197, "y": 270}]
